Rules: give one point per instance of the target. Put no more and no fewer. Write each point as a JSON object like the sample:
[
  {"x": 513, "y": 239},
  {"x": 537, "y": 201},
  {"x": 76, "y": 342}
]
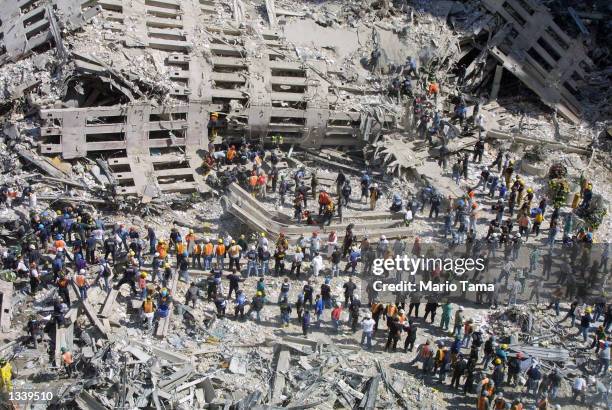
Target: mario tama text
[
  {"x": 429, "y": 286},
  {"x": 411, "y": 266}
]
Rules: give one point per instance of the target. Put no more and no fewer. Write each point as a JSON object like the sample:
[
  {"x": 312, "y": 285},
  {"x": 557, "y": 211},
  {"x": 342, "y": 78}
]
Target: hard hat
[
  {"x": 298, "y": 249},
  {"x": 259, "y": 293},
  {"x": 233, "y": 241},
  {"x": 32, "y": 246},
  {"x": 383, "y": 237},
  {"x": 191, "y": 231},
  {"x": 263, "y": 234},
  {"x": 82, "y": 271},
  {"x": 166, "y": 265},
  {"x": 143, "y": 274},
  {"x": 131, "y": 253},
  {"x": 214, "y": 114},
  {"x": 498, "y": 361},
  {"x": 460, "y": 308},
  {"x": 157, "y": 254},
  {"x": 252, "y": 247},
  {"x": 589, "y": 309},
  {"x": 207, "y": 240},
  {"x": 58, "y": 212},
  {"x": 504, "y": 346},
  {"x": 530, "y": 190},
  {"x": 220, "y": 240}
]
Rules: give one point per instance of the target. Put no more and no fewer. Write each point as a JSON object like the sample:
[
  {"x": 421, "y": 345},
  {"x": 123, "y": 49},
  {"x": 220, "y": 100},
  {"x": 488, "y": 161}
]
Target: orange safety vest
[
  {"x": 231, "y": 154},
  {"x": 220, "y": 249},
  {"x": 80, "y": 280},
  {"x": 147, "y": 306},
  {"x": 180, "y": 248},
  {"x": 482, "y": 403},
  {"x": 67, "y": 357},
  {"x": 253, "y": 180},
  {"x": 208, "y": 249},
  {"x": 197, "y": 250},
  {"x": 59, "y": 244}
]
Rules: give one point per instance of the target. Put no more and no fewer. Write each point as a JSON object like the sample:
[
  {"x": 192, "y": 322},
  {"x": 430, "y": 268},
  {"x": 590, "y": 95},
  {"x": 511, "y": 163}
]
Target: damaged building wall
[{"x": 537, "y": 51}]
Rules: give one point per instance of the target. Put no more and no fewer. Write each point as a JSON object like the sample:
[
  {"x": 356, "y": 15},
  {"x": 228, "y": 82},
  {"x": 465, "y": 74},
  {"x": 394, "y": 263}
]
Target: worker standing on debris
[
  {"x": 285, "y": 312},
  {"x": 336, "y": 315},
  {"x": 148, "y": 311},
  {"x": 411, "y": 334},
  {"x": 6, "y": 375},
  {"x": 585, "y": 323},
  {"x": 81, "y": 282},
  {"x": 68, "y": 361}
]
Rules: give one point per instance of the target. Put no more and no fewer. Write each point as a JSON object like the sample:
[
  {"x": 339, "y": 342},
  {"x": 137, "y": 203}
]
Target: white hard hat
[{"x": 82, "y": 271}]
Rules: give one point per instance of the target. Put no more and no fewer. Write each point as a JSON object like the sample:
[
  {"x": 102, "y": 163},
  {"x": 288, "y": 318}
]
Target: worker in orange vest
[
  {"x": 208, "y": 253},
  {"x": 81, "y": 282},
  {"x": 220, "y": 253},
  {"x": 148, "y": 311}
]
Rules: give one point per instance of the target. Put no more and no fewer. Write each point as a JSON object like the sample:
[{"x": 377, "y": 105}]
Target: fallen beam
[{"x": 89, "y": 311}]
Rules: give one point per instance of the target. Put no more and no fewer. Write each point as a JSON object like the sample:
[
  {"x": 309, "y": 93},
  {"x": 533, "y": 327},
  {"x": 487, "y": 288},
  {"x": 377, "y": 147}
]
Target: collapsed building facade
[{"x": 159, "y": 69}]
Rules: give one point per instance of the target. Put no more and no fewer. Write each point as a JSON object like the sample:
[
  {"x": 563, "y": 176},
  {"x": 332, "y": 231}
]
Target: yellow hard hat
[
  {"x": 220, "y": 241},
  {"x": 529, "y": 190},
  {"x": 233, "y": 241},
  {"x": 132, "y": 253},
  {"x": 589, "y": 309},
  {"x": 143, "y": 274},
  {"x": 498, "y": 361},
  {"x": 166, "y": 265},
  {"x": 504, "y": 346},
  {"x": 263, "y": 234},
  {"x": 214, "y": 114},
  {"x": 191, "y": 231},
  {"x": 259, "y": 293}
]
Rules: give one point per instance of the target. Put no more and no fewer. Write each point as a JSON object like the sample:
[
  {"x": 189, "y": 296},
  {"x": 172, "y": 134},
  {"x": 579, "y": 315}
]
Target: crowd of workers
[{"x": 71, "y": 247}]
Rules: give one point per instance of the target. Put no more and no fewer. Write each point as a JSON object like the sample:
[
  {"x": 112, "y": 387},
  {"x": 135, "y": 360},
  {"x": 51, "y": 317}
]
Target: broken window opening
[
  {"x": 284, "y": 72},
  {"x": 525, "y": 5},
  {"x": 53, "y": 139},
  {"x": 166, "y": 180},
  {"x": 551, "y": 51},
  {"x": 556, "y": 37},
  {"x": 106, "y": 119},
  {"x": 226, "y": 53},
  {"x": 288, "y": 120},
  {"x": 120, "y": 167},
  {"x": 298, "y": 105},
  {"x": 285, "y": 88},
  {"x": 163, "y": 134},
  {"x": 177, "y": 150},
  {"x": 515, "y": 14},
  {"x": 105, "y": 137},
  {"x": 105, "y": 154},
  {"x": 170, "y": 116},
  {"x": 162, "y": 166},
  {"x": 539, "y": 59},
  {"x": 162, "y": 4},
  {"x": 227, "y": 85}
]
